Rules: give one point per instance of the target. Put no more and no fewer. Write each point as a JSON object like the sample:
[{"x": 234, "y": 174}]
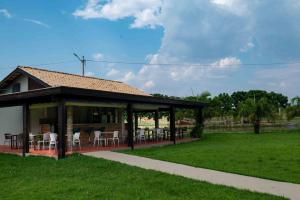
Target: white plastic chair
[
  {"x": 31, "y": 140},
  {"x": 114, "y": 138},
  {"x": 99, "y": 138},
  {"x": 141, "y": 135},
  {"x": 76, "y": 139},
  {"x": 46, "y": 137},
  {"x": 53, "y": 141},
  {"x": 159, "y": 134},
  {"x": 7, "y": 138}
]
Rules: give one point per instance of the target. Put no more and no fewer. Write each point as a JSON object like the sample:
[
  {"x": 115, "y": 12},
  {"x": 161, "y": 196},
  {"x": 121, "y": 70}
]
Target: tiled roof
[{"x": 54, "y": 79}]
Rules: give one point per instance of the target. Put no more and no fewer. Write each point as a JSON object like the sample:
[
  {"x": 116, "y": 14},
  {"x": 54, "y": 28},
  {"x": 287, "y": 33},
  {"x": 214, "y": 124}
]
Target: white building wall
[
  {"x": 23, "y": 80},
  {"x": 11, "y": 118},
  {"x": 11, "y": 121}
]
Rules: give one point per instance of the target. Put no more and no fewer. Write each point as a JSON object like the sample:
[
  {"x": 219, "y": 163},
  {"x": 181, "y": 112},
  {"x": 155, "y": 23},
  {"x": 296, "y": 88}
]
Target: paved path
[{"x": 288, "y": 190}]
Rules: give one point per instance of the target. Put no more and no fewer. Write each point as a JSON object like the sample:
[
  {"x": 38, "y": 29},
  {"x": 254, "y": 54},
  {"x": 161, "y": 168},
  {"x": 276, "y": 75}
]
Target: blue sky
[{"x": 208, "y": 42}]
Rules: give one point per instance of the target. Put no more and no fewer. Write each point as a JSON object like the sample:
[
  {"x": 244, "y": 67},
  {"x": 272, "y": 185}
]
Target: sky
[{"x": 179, "y": 49}]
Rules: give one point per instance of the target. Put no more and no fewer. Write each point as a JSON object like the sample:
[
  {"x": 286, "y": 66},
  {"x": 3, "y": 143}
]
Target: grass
[
  {"x": 268, "y": 155},
  {"x": 81, "y": 177}
]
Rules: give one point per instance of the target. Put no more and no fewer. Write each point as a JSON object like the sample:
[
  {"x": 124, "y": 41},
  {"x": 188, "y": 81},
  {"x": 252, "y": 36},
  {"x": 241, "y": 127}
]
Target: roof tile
[{"x": 54, "y": 79}]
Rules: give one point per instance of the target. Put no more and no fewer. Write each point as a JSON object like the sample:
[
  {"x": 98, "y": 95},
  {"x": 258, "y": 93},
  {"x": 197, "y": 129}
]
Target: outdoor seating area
[
  {"x": 108, "y": 140},
  {"x": 13, "y": 141},
  {"x": 46, "y": 143},
  {"x": 144, "y": 135}
]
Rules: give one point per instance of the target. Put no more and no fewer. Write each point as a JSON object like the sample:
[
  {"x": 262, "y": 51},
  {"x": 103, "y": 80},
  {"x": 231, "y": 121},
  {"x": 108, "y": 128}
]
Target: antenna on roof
[{"x": 82, "y": 60}]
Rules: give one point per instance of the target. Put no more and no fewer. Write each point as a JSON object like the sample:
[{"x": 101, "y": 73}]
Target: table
[
  {"x": 33, "y": 140},
  {"x": 180, "y": 132},
  {"x": 105, "y": 133},
  {"x": 14, "y": 141},
  {"x": 154, "y": 133}
]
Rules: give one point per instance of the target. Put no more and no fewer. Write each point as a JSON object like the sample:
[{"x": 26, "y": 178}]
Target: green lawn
[
  {"x": 268, "y": 155},
  {"x": 80, "y": 177}
]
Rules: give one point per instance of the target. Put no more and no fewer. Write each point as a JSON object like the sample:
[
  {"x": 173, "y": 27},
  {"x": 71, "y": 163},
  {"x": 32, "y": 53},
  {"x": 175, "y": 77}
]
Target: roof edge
[
  {"x": 20, "y": 70},
  {"x": 66, "y": 73},
  {"x": 64, "y": 92},
  {"x": 33, "y": 77}
]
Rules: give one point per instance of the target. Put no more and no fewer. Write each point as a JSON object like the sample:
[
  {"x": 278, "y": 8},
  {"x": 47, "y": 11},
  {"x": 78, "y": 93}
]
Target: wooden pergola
[{"x": 61, "y": 95}]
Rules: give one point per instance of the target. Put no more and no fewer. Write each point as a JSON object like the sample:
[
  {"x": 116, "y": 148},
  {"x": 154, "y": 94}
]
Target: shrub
[{"x": 197, "y": 131}]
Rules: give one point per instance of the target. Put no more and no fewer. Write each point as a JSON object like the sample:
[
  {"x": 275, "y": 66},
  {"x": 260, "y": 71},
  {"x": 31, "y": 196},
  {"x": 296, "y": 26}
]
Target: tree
[
  {"x": 204, "y": 97},
  {"x": 296, "y": 101},
  {"x": 294, "y": 109},
  {"x": 255, "y": 110},
  {"x": 224, "y": 104},
  {"x": 238, "y": 97}
]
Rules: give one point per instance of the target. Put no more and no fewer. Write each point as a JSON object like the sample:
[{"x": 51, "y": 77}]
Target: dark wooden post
[
  {"x": 136, "y": 122},
  {"x": 25, "y": 129},
  {"x": 199, "y": 120},
  {"x": 156, "y": 119},
  {"x": 62, "y": 127},
  {"x": 172, "y": 125},
  {"x": 130, "y": 126}
]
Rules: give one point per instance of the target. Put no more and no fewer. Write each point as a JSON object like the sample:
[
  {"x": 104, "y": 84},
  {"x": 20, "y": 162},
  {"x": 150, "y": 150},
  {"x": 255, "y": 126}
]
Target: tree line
[{"x": 251, "y": 106}]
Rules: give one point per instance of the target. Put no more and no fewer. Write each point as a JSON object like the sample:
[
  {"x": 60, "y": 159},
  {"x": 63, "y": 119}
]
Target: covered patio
[{"x": 58, "y": 121}]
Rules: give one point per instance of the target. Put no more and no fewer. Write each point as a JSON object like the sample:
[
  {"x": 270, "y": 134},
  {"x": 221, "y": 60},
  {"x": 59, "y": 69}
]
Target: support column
[
  {"x": 156, "y": 119},
  {"x": 26, "y": 125},
  {"x": 136, "y": 122},
  {"x": 199, "y": 117},
  {"x": 130, "y": 126},
  {"x": 62, "y": 128},
  {"x": 172, "y": 125},
  {"x": 69, "y": 127}
]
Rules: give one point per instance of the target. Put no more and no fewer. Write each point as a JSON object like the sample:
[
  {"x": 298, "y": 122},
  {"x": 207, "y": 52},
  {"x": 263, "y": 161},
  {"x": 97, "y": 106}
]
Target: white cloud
[
  {"x": 149, "y": 84},
  {"x": 228, "y": 62},
  {"x": 177, "y": 79},
  {"x": 146, "y": 13},
  {"x": 223, "y": 2},
  {"x": 247, "y": 47},
  {"x": 112, "y": 72},
  {"x": 129, "y": 76},
  {"x": 90, "y": 74},
  {"x": 98, "y": 56},
  {"x": 5, "y": 13},
  {"x": 280, "y": 79},
  {"x": 217, "y": 32},
  {"x": 37, "y": 22},
  {"x": 148, "y": 18}
]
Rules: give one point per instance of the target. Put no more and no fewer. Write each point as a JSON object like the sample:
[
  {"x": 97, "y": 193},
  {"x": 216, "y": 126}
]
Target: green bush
[{"x": 197, "y": 132}]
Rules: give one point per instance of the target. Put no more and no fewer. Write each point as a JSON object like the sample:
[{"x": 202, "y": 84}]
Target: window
[
  {"x": 85, "y": 115},
  {"x": 16, "y": 87}
]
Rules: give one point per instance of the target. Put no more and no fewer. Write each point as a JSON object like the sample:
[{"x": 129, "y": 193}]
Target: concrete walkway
[{"x": 288, "y": 190}]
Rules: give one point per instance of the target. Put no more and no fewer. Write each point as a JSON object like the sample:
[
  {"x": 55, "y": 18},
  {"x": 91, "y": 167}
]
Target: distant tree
[
  {"x": 293, "y": 110},
  {"x": 160, "y": 95},
  {"x": 238, "y": 97},
  {"x": 277, "y": 100},
  {"x": 296, "y": 101},
  {"x": 223, "y": 104},
  {"x": 256, "y": 110},
  {"x": 204, "y": 97}
]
